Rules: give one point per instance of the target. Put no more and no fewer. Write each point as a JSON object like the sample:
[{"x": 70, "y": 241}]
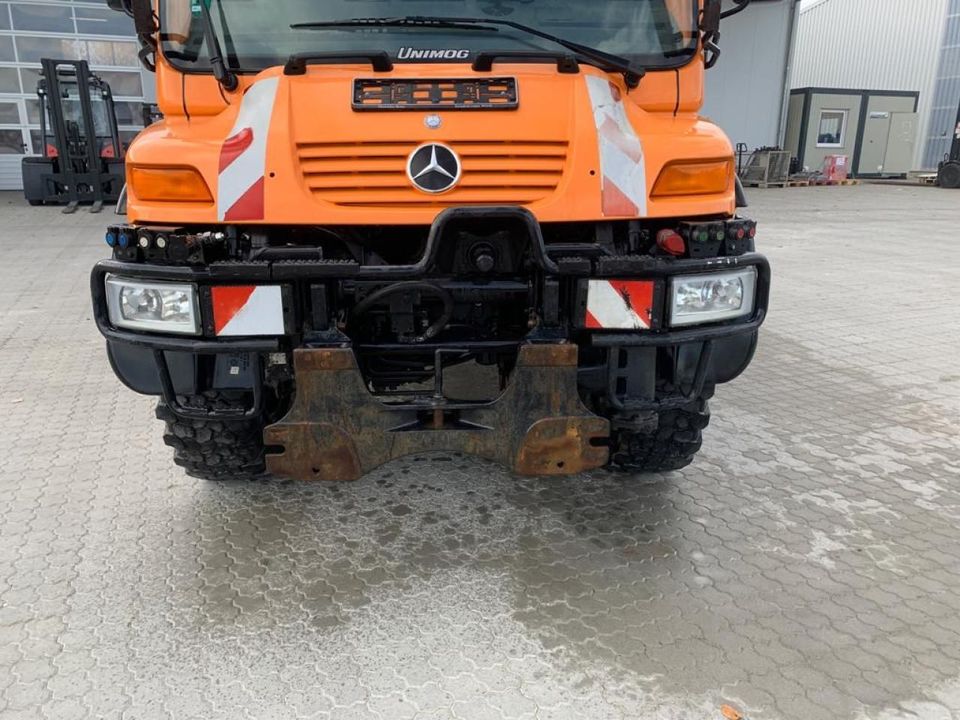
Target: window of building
[
  {"x": 46, "y": 18},
  {"x": 109, "y": 52},
  {"x": 4, "y": 16},
  {"x": 36, "y": 142},
  {"x": 128, "y": 113},
  {"x": 9, "y": 82},
  {"x": 833, "y": 124},
  {"x": 29, "y": 77},
  {"x": 11, "y": 142},
  {"x": 6, "y": 48},
  {"x": 122, "y": 83},
  {"x": 9, "y": 113},
  {"x": 33, "y": 110},
  {"x": 96, "y": 21},
  {"x": 32, "y": 49}
]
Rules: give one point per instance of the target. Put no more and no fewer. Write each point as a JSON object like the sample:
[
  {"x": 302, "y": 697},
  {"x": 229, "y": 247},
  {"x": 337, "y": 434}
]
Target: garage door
[{"x": 10, "y": 173}]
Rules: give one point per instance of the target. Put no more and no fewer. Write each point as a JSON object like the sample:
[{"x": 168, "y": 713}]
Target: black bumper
[{"x": 705, "y": 355}]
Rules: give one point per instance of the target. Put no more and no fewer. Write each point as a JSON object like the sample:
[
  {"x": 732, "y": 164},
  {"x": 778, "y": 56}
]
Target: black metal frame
[
  {"x": 69, "y": 170},
  {"x": 951, "y": 160},
  {"x": 170, "y": 396},
  {"x": 364, "y": 87},
  {"x": 650, "y": 268}
]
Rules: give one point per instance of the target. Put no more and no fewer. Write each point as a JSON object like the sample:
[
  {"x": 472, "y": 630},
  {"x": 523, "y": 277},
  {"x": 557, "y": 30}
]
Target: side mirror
[
  {"x": 710, "y": 27},
  {"x": 709, "y": 20},
  {"x": 140, "y": 10},
  {"x": 145, "y": 25}
]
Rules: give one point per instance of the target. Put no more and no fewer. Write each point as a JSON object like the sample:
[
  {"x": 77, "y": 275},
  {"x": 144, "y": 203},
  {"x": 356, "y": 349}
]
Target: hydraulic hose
[{"x": 435, "y": 328}]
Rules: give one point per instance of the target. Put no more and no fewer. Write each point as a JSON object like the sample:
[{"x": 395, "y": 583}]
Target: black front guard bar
[{"x": 702, "y": 340}]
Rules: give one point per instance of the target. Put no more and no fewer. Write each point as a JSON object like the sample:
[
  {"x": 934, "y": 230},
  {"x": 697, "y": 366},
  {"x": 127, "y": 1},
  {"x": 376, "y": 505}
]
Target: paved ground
[{"x": 806, "y": 566}]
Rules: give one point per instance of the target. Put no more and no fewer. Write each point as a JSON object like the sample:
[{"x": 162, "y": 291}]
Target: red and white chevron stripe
[
  {"x": 623, "y": 174},
  {"x": 619, "y": 304},
  {"x": 243, "y": 157},
  {"x": 245, "y": 310}
]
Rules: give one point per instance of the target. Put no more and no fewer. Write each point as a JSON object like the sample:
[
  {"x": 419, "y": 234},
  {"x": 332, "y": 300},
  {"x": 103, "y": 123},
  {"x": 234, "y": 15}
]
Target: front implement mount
[{"x": 337, "y": 430}]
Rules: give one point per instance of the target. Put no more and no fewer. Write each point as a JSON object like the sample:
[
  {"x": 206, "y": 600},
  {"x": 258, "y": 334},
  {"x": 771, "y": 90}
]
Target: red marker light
[
  {"x": 671, "y": 242},
  {"x": 741, "y": 233}
]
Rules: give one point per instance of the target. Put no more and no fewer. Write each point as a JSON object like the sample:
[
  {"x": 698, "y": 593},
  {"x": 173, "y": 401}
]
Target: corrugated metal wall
[
  {"x": 873, "y": 45},
  {"x": 745, "y": 91},
  {"x": 946, "y": 95}
]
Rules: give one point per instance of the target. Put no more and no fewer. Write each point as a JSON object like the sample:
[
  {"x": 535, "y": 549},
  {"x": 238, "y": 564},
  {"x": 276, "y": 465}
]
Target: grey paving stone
[{"x": 806, "y": 566}]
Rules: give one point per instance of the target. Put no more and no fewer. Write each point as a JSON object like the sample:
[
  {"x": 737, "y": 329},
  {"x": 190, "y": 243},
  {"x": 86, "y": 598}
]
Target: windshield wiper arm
[
  {"x": 226, "y": 77},
  {"x": 438, "y": 23},
  {"x": 604, "y": 60}
]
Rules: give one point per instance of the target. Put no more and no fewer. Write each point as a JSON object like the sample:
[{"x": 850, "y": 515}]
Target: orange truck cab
[{"x": 364, "y": 230}]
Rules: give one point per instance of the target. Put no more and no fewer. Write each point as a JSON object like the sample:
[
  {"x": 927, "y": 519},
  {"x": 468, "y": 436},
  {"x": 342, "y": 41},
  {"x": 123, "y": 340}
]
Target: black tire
[
  {"x": 215, "y": 449},
  {"x": 949, "y": 176},
  {"x": 673, "y": 445},
  {"x": 35, "y": 203}
]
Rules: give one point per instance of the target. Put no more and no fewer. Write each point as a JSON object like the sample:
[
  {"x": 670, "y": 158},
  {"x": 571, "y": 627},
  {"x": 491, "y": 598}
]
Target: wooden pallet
[
  {"x": 834, "y": 183},
  {"x": 802, "y": 183},
  {"x": 766, "y": 185}
]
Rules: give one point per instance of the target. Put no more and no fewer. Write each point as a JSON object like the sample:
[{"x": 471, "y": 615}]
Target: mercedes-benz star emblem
[{"x": 433, "y": 168}]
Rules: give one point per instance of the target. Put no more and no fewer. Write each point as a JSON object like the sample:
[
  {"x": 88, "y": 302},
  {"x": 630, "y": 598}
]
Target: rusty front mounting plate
[{"x": 337, "y": 430}]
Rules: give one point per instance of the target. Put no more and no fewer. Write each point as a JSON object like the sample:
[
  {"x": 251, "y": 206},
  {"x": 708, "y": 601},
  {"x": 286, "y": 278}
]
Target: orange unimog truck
[{"x": 369, "y": 229}]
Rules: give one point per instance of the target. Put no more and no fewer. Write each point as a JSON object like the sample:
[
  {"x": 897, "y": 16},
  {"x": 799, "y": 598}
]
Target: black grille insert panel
[{"x": 435, "y": 94}]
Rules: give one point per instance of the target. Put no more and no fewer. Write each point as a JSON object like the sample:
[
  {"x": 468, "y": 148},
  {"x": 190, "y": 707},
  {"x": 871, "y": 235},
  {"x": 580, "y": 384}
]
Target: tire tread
[{"x": 221, "y": 449}]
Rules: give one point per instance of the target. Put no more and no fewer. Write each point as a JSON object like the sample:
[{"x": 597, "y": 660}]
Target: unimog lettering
[{"x": 408, "y": 53}]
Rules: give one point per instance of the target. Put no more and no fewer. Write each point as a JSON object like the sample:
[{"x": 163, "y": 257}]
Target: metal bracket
[
  {"x": 337, "y": 430},
  {"x": 170, "y": 395}
]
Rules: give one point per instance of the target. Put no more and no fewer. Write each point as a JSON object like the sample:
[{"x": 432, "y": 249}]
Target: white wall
[
  {"x": 745, "y": 90},
  {"x": 872, "y": 45}
]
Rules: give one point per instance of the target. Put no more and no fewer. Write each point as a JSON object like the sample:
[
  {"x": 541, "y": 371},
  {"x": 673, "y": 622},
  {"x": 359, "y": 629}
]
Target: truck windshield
[{"x": 256, "y": 34}]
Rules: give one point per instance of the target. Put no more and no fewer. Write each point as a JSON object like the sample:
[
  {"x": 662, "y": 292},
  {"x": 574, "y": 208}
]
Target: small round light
[
  {"x": 160, "y": 241},
  {"x": 111, "y": 239},
  {"x": 123, "y": 240},
  {"x": 753, "y": 231},
  {"x": 741, "y": 233},
  {"x": 143, "y": 241}
]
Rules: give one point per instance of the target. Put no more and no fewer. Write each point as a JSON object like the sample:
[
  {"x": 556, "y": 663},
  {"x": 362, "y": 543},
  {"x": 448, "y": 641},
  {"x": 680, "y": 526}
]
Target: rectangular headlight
[
  {"x": 712, "y": 297},
  {"x": 153, "y": 306}
]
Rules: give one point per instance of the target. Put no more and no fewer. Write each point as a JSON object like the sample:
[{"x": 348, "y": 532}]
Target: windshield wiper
[
  {"x": 226, "y": 77},
  {"x": 603, "y": 60},
  {"x": 438, "y": 23}
]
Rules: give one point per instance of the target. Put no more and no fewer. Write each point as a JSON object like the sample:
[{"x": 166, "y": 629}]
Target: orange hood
[{"x": 293, "y": 150}]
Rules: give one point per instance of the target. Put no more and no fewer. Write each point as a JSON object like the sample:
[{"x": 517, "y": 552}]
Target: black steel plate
[{"x": 435, "y": 94}]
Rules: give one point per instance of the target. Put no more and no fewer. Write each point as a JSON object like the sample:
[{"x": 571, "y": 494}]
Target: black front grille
[{"x": 435, "y": 94}]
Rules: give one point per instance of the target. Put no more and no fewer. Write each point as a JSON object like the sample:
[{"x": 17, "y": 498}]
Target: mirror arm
[
  {"x": 710, "y": 18},
  {"x": 741, "y": 5},
  {"x": 146, "y": 25}
]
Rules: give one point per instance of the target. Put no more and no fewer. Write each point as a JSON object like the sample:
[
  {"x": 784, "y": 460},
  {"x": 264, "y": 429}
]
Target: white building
[{"x": 887, "y": 45}]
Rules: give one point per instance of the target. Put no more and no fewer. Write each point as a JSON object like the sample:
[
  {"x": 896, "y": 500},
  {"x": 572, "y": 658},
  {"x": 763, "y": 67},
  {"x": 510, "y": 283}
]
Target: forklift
[
  {"x": 82, "y": 159},
  {"x": 948, "y": 174}
]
